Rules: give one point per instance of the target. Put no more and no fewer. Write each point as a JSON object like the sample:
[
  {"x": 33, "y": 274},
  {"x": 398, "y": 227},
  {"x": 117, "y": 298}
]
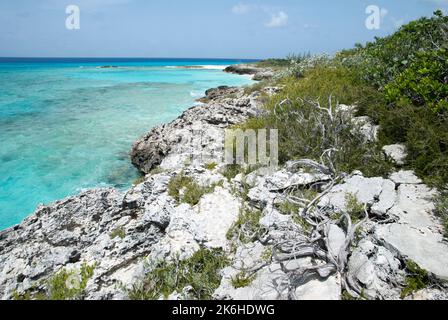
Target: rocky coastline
[{"x": 121, "y": 235}]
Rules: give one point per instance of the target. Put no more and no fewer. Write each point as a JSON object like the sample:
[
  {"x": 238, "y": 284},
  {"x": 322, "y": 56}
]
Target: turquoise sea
[{"x": 68, "y": 125}]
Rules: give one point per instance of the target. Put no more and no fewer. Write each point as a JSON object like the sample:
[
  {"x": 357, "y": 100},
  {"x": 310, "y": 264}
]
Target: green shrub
[
  {"x": 247, "y": 227},
  {"x": 257, "y": 86},
  {"x": 242, "y": 280},
  {"x": 211, "y": 166},
  {"x": 278, "y": 64},
  {"x": 292, "y": 209},
  {"x": 416, "y": 279},
  {"x": 354, "y": 208},
  {"x": 424, "y": 83},
  {"x": 231, "y": 171},
  {"x": 306, "y": 131},
  {"x": 425, "y": 135},
  {"x": 66, "y": 284},
  {"x": 185, "y": 190},
  {"x": 323, "y": 81},
  {"x": 201, "y": 272},
  {"x": 118, "y": 233},
  {"x": 379, "y": 62},
  {"x": 410, "y": 69}
]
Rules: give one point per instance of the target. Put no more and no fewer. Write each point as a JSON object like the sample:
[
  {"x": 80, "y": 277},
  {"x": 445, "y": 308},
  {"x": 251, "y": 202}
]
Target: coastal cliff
[{"x": 106, "y": 244}]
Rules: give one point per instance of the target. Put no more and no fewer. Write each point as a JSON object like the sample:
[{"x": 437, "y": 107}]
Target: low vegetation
[
  {"x": 309, "y": 127},
  {"x": 242, "y": 280},
  {"x": 280, "y": 64},
  {"x": 416, "y": 279},
  {"x": 400, "y": 81},
  {"x": 409, "y": 68},
  {"x": 354, "y": 208},
  {"x": 292, "y": 209},
  {"x": 247, "y": 228},
  {"x": 442, "y": 210},
  {"x": 200, "y": 272},
  {"x": 211, "y": 166},
  {"x": 118, "y": 233},
  {"x": 185, "y": 190},
  {"x": 67, "y": 284}
]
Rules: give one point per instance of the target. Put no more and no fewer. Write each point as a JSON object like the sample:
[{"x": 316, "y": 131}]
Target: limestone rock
[
  {"x": 75, "y": 230},
  {"x": 397, "y": 152},
  {"x": 219, "y": 92},
  {"x": 251, "y": 69},
  {"x": 366, "y": 191},
  {"x": 405, "y": 177},
  {"x": 270, "y": 282},
  {"x": 195, "y": 137},
  {"x": 423, "y": 247},
  {"x": 377, "y": 269},
  {"x": 204, "y": 225},
  {"x": 367, "y": 129}
]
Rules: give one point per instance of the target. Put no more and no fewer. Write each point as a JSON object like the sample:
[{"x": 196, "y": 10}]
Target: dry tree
[{"x": 296, "y": 244}]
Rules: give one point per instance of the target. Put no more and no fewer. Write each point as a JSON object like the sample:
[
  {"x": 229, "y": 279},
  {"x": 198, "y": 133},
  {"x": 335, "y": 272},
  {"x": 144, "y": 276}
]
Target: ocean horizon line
[{"x": 130, "y": 58}]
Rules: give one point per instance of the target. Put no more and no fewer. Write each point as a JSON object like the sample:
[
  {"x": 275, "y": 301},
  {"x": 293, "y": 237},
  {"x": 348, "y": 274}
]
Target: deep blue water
[{"x": 67, "y": 125}]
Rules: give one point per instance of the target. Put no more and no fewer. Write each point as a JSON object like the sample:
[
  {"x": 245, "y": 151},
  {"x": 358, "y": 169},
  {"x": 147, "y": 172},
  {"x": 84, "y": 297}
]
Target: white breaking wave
[
  {"x": 212, "y": 67},
  {"x": 196, "y": 94}
]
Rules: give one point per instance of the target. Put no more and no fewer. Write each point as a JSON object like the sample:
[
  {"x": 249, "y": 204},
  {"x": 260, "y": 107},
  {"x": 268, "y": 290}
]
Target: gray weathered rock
[
  {"x": 423, "y": 247},
  {"x": 220, "y": 92},
  {"x": 196, "y": 135},
  {"x": 405, "y": 177},
  {"x": 397, "y": 152},
  {"x": 377, "y": 269},
  {"x": 250, "y": 69},
  {"x": 76, "y": 230},
  {"x": 366, "y": 127},
  {"x": 204, "y": 225},
  {"x": 378, "y": 192}
]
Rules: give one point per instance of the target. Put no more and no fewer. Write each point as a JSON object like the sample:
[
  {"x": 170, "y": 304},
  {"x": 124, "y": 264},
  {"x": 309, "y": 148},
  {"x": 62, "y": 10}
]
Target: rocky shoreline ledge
[{"x": 120, "y": 236}]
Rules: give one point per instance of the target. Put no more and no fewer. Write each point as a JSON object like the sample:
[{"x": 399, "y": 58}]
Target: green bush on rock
[{"x": 200, "y": 272}]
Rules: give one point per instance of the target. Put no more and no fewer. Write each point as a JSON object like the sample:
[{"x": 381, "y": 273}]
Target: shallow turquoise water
[{"x": 69, "y": 125}]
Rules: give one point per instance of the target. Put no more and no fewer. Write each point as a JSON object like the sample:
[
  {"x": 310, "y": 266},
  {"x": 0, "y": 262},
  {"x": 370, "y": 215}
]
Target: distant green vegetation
[
  {"x": 400, "y": 81},
  {"x": 201, "y": 272},
  {"x": 283, "y": 63}
]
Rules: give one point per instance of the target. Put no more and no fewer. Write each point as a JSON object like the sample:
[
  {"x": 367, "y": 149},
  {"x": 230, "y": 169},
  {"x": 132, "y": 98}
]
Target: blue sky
[{"x": 197, "y": 28}]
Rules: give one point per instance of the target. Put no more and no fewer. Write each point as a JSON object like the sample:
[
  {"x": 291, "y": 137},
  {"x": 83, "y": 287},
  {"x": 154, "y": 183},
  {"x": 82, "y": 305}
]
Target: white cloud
[
  {"x": 242, "y": 8},
  {"x": 384, "y": 12},
  {"x": 279, "y": 19}
]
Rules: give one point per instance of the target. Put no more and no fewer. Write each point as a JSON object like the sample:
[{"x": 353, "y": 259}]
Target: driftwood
[
  {"x": 296, "y": 243},
  {"x": 292, "y": 242}
]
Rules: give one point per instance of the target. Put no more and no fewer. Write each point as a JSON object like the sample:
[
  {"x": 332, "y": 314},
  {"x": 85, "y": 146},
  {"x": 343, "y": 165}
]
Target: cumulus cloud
[
  {"x": 242, "y": 8},
  {"x": 279, "y": 19}
]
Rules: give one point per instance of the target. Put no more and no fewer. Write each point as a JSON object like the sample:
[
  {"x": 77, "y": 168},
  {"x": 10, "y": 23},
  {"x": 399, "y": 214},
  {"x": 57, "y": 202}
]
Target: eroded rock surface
[
  {"x": 122, "y": 234},
  {"x": 173, "y": 145}
]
